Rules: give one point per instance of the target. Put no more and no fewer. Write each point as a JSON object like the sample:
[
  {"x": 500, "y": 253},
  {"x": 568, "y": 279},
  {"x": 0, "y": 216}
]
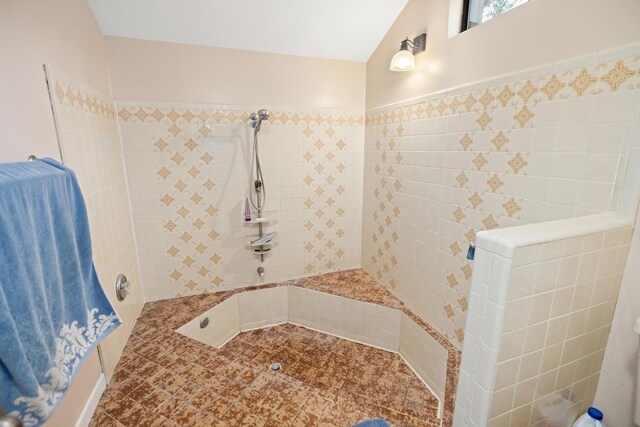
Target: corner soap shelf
[
  {"x": 257, "y": 250},
  {"x": 268, "y": 217},
  {"x": 260, "y": 249}
]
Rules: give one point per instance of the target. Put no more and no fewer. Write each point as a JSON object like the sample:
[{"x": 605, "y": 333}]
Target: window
[{"x": 476, "y": 12}]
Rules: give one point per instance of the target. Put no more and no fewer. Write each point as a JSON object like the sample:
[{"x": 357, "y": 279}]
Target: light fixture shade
[{"x": 403, "y": 60}]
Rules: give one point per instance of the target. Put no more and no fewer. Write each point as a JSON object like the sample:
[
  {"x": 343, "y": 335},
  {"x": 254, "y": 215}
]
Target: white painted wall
[
  {"x": 537, "y": 33},
  {"x": 62, "y": 34},
  {"x": 616, "y": 388},
  {"x": 144, "y": 70}
]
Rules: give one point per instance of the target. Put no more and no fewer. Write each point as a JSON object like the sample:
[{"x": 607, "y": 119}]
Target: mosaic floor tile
[
  {"x": 325, "y": 381},
  {"x": 167, "y": 379}
]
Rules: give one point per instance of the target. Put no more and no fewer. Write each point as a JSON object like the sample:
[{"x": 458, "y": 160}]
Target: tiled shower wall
[
  {"x": 188, "y": 170},
  {"x": 556, "y": 323},
  {"x": 91, "y": 146},
  {"x": 545, "y": 144},
  {"x": 542, "y": 301}
]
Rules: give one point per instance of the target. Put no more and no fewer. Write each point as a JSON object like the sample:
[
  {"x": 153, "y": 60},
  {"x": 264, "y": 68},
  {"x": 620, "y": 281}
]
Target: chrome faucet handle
[{"x": 123, "y": 287}]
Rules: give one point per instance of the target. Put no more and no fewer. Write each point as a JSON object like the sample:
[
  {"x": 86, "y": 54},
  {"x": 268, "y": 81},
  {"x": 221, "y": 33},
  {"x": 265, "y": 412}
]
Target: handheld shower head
[{"x": 258, "y": 117}]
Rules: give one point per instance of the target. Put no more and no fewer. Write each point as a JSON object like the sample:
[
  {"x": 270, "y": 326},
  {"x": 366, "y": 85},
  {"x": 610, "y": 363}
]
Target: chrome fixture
[
  {"x": 404, "y": 59},
  {"x": 10, "y": 421},
  {"x": 123, "y": 287},
  {"x": 261, "y": 271},
  {"x": 31, "y": 158},
  {"x": 258, "y": 196},
  {"x": 276, "y": 367},
  {"x": 204, "y": 322},
  {"x": 257, "y": 118}
]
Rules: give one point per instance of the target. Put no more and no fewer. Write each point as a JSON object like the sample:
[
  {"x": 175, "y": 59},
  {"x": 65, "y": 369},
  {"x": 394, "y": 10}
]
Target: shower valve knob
[{"x": 123, "y": 287}]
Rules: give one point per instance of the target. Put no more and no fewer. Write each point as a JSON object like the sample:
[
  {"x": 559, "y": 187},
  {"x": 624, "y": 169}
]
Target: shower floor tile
[{"x": 166, "y": 379}]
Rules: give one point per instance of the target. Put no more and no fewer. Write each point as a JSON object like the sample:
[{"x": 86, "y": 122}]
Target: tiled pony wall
[
  {"x": 188, "y": 171},
  {"x": 545, "y": 144},
  {"x": 557, "y": 318},
  {"x": 542, "y": 301},
  {"x": 91, "y": 146}
]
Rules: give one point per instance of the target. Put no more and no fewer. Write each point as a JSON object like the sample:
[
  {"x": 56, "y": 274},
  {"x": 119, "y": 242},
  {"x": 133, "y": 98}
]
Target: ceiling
[{"x": 337, "y": 29}]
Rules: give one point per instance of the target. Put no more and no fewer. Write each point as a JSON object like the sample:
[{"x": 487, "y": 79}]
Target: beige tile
[
  {"x": 557, "y": 330},
  {"x": 562, "y": 299},
  {"x": 551, "y": 357},
  {"x": 500, "y": 420},
  {"x": 530, "y": 366},
  {"x": 541, "y": 305},
  {"x": 582, "y": 296},
  {"x": 520, "y": 416},
  {"x": 566, "y": 375},
  {"x": 568, "y": 271},
  {"x": 502, "y": 401},
  {"x": 576, "y": 325},
  {"x": 546, "y": 383},
  {"x": 506, "y": 373},
  {"x": 511, "y": 345},
  {"x": 588, "y": 266},
  {"x": 535, "y": 337},
  {"x": 516, "y": 314},
  {"x": 524, "y": 392}
]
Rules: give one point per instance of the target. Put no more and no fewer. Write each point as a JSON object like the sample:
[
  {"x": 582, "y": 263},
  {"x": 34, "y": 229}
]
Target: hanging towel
[
  {"x": 378, "y": 422},
  {"x": 53, "y": 311}
]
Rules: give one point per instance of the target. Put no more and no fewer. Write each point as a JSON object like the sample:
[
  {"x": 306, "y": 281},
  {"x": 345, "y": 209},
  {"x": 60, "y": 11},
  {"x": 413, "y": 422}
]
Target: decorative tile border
[
  {"x": 440, "y": 170},
  {"x": 234, "y": 115},
  {"x": 80, "y": 98},
  {"x": 618, "y": 75}
]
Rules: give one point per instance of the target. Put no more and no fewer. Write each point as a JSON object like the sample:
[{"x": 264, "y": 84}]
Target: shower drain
[{"x": 276, "y": 367}]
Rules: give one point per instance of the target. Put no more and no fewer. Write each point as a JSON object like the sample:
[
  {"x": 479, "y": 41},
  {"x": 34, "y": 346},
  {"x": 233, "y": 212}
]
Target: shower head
[{"x": 258, "y": 117}]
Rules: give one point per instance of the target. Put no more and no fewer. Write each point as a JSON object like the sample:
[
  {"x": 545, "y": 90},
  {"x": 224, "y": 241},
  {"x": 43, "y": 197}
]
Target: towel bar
[{"x": 32, "y": 158}]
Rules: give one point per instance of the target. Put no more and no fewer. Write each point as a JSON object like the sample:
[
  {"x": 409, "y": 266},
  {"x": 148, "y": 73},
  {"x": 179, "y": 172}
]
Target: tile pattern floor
[
  {"x": 326, "y": 381},
  {"x": 166, "y": 379}
]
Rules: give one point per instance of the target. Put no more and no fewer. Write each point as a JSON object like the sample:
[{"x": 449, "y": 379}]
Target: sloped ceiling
[{"x": 337, "y": 29}]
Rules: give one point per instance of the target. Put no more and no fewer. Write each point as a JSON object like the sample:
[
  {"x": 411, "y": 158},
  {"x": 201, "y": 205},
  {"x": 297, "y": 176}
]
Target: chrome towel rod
[{"x": 32, "y": 158}]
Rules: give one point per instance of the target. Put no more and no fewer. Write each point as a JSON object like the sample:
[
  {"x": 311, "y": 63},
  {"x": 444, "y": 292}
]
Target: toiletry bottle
[
  {"x": 593, "y": 418},
  {"x": 247, "y": 210}
]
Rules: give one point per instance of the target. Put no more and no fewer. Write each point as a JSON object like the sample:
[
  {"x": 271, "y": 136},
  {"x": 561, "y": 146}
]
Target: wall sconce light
[{"x": 404, "y": 59}]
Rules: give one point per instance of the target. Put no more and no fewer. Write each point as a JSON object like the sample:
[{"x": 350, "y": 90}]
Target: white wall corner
[
  {"x": 455, "y": 17},
  {"x": 92, "y": 403}
]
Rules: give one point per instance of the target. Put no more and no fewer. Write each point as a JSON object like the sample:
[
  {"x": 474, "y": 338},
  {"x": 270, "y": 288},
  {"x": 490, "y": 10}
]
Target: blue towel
[
  {"x": 53, "y": 311},
  {"x": 378, "y": 422}
]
